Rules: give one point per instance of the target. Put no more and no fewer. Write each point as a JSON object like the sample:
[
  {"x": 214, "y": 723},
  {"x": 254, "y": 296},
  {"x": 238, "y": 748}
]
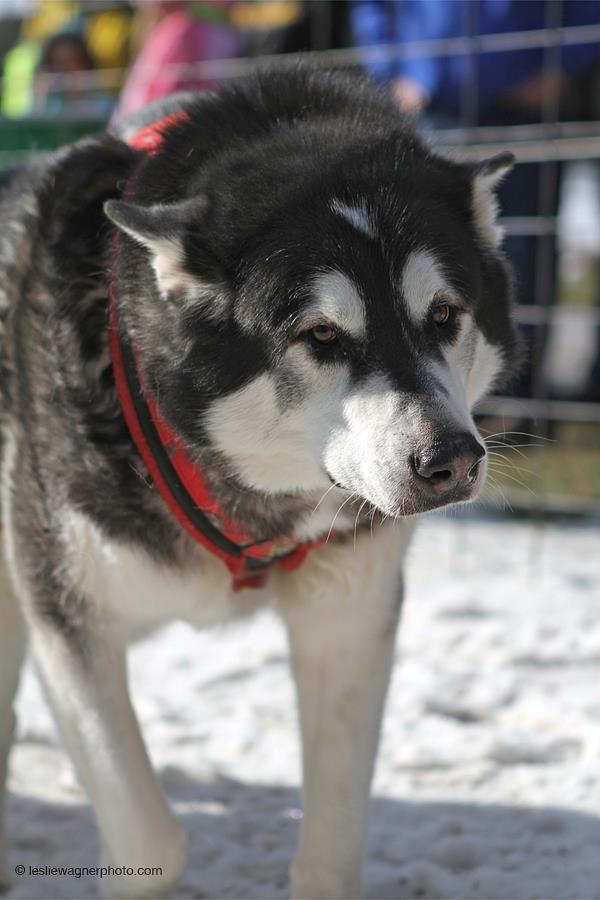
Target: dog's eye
[
  {"x": 323, "y": 334},
  {"x": 443, "y": 314}
]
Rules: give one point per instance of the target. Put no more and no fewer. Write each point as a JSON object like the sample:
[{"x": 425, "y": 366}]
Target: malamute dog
[{"x": 241, "y": 339}]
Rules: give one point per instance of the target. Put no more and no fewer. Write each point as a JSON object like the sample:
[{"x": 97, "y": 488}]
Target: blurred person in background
[
  {"x": 182, "y": 34},
  {"x": 291, "y": 26},
  {"x": 273, "y": 26},
  {"x": 509, "y": 84},
  {"x": 21, "y": 61},
  {"x": 62, "y": 84},
  {"x": 489, "y": 89},
  {"x": 18, "y": 79},
  {"x": 63, "y": 37},
  {"x": 108, "y": 34},
  {"x": 12, "y": 13}
]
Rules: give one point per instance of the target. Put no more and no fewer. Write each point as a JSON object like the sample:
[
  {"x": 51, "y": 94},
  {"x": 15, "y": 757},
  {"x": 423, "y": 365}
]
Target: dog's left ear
[
  {"x": 161, "y": 229},
  {"x": 486, "y": 176}
]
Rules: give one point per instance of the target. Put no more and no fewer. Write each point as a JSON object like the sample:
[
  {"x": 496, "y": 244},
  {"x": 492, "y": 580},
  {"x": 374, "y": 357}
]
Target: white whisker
[
  {"x": 323, "y": 497},
  {"x": 360, "y": 509},
  {"x": 347, "y": 500}
]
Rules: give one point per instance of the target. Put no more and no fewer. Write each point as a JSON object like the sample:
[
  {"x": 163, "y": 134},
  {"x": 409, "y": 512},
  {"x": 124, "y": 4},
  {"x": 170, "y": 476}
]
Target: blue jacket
[{"x": 376, "y": 22}]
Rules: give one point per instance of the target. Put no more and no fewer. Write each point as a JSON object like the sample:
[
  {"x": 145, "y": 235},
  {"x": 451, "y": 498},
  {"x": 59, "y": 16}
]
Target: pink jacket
[{"x": 163, "y": 66}]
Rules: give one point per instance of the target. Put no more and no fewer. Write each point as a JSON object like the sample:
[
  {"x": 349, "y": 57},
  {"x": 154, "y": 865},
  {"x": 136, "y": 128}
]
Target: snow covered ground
[{"x": 488, "y": 783}]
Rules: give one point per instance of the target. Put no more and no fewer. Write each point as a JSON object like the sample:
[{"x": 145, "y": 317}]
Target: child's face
[{"x": 67, "y": 57}]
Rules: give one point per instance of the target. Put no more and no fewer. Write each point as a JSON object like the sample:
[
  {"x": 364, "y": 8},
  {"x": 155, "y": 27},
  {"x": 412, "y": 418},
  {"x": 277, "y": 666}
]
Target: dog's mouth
[{"x": 337, "y": 483}]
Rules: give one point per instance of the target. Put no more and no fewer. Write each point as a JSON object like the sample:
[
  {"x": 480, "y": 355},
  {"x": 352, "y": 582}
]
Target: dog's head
[{"x": 324, "y": 300}]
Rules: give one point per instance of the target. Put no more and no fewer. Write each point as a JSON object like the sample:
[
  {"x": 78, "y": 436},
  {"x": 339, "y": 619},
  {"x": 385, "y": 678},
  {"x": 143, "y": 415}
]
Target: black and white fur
[{"x": 286, "y": 210}]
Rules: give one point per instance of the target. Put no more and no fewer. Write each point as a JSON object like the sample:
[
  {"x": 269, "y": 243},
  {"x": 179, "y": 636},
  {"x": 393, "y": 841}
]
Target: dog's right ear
[{"x": 162, "y": 228}]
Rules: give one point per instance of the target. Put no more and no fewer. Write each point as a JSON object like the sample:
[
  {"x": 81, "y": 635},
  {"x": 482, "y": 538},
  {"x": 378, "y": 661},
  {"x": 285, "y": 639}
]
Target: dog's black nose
[{"x": 449, "y": 464}]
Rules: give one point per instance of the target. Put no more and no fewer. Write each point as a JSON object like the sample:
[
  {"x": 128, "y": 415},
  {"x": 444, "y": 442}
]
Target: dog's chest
[{"x": 129, "y": 587}]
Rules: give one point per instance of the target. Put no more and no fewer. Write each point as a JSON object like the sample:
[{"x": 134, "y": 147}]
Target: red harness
[{"x": 178, "y": 478}]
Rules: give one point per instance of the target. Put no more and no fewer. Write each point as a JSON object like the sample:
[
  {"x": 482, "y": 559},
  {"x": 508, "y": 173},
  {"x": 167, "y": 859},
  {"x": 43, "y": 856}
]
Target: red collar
[{"x": 177, "y": 477}]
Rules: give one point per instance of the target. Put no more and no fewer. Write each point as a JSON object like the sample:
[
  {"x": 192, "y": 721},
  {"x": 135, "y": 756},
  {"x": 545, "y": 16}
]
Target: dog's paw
[{"x": 152, "y": 880}]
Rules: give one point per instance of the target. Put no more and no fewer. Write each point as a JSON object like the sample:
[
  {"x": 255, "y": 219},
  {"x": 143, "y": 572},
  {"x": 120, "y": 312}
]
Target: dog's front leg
[
  {"x": 12, "y": 650},
  {"x": 82, "y": 664},
  {"x": 341, "y": 611}
]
